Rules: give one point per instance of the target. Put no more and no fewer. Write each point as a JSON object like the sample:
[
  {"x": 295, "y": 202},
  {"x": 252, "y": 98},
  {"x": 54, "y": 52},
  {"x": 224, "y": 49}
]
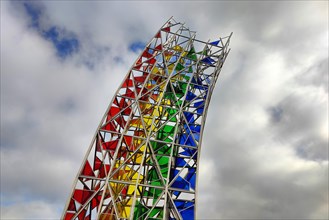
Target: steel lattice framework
[{"x": 143, "y": 160}]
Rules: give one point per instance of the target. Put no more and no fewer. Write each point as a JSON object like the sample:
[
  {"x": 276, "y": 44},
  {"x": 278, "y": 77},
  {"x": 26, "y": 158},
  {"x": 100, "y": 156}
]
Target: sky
[{"x": 265, "y": 144}]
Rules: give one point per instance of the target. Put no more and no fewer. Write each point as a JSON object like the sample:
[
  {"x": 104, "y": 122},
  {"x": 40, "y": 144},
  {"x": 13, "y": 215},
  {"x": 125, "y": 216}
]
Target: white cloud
[
  {"x": 253, "y": 165},
  {"x": 30, "y": 210}
]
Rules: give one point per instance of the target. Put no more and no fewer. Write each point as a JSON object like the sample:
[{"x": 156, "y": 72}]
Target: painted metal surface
[{"x": 143, "y": 160}]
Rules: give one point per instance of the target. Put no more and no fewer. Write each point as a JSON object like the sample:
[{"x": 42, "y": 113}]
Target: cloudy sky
[{"x": 265, "y": 146}]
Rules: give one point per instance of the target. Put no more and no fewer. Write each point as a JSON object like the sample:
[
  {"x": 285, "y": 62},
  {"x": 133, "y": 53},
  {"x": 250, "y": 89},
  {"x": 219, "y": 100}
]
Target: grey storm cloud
[{"x": 265, "y": 146}]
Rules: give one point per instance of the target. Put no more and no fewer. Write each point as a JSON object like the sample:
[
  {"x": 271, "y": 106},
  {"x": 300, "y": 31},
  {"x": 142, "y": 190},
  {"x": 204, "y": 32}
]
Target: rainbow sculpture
[{"x": 143, "y": 160}]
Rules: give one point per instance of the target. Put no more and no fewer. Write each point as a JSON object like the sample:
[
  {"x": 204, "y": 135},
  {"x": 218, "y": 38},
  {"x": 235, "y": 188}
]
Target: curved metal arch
[{"x": 143, "y": 160}]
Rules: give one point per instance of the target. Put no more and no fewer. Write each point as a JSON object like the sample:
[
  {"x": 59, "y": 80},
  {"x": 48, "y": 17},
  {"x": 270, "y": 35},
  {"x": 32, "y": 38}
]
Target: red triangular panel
[
  {"x": 77, "y": 195},
  {"x": 128, "y": 140},
  {"x": 113, "y": 112},
  {"x": 128, "y": 83},
  {"x": 82, "y": 214},
  {"x": 110, "y": 145},
  {"x": 129, "y": 93},
  {"x": 146, "y": 54},
  {"x": 159, "y": 47},
  {"x": 98, "y": 163},
  {"x": 140, "y": 79},
  {"x": 71, "y": 206},
  {"x": 68, "y": 216},
  {"x": 166, "y": 29},
  {"x": 158, "y": 35},
  {"x": 87, "y": 170}
]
